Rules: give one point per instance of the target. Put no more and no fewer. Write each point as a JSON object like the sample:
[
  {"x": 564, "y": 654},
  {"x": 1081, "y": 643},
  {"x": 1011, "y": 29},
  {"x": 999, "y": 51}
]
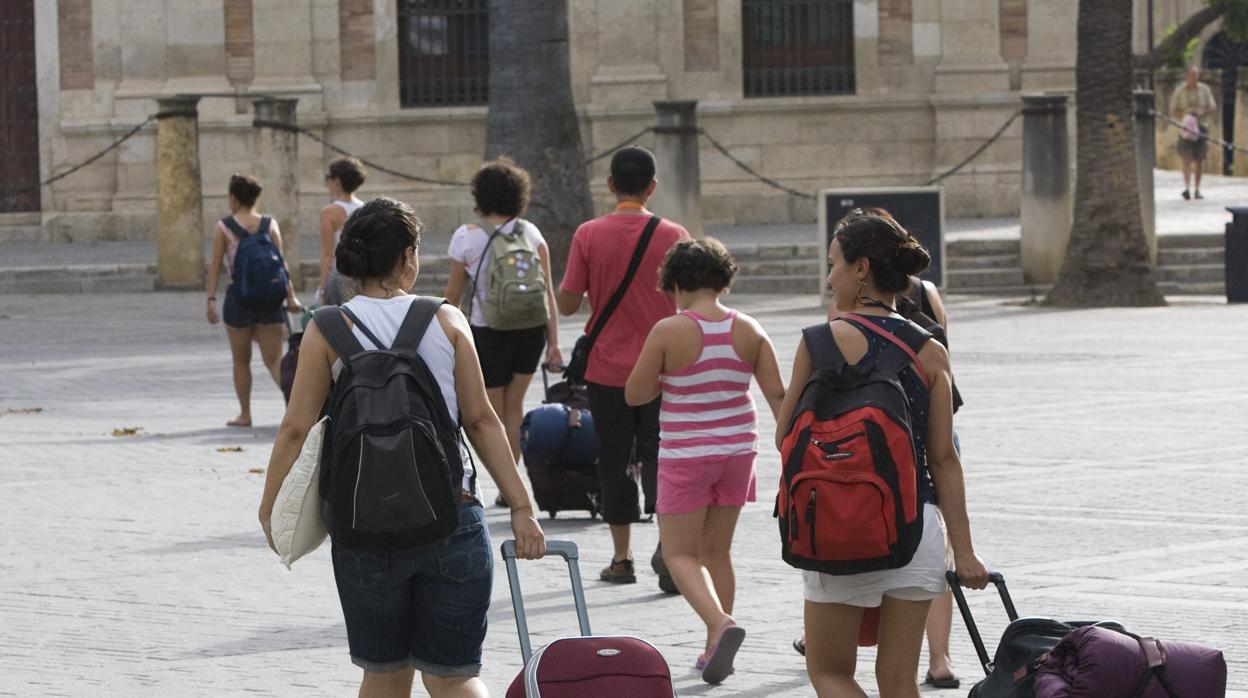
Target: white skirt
[{"x": 921, "y": 580}]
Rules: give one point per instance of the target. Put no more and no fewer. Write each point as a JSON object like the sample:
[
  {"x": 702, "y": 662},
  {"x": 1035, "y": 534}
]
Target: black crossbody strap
[
  {"x": 638, "y": 253},
  {"x": 334, "y": 327},
  {"x": 377, "y": 343}
]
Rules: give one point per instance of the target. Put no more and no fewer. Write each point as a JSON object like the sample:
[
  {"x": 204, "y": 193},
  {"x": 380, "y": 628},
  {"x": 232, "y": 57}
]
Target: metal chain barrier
[
  {"x": 749, "y": 170},
  {"x": 1224, "y": 143},
  {"x": 984, "y": 146}
]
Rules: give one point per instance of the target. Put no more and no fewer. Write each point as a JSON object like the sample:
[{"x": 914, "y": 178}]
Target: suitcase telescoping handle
[
  {"x": 565, "y": 549},
  {"x": 998, "y": 580}
]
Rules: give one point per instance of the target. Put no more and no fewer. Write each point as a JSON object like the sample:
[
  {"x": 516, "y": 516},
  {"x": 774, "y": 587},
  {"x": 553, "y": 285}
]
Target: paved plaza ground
[{"x": 1104, "y": 450}]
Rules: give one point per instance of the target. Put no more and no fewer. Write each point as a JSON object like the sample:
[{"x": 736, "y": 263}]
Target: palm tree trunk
[
  {"x": 1107, "y": 262},
  {"x": 531, "y": 116}
]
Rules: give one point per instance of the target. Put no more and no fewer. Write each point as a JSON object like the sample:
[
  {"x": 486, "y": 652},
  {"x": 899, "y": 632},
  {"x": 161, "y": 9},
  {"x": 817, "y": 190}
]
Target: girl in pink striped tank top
[{"x": 701, "y": 361}]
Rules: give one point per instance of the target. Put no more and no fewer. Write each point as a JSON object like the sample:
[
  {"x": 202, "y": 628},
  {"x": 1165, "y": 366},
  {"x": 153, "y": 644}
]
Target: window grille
[
  {"x": 798, "y": 47},
  {"x": 444, "y": 52}
]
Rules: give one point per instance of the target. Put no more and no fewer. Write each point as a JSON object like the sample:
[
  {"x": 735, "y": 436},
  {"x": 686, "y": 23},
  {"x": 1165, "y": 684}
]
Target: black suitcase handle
[
  {"x": 998, "y": 580},
  {"x": 565, "y": 549}
]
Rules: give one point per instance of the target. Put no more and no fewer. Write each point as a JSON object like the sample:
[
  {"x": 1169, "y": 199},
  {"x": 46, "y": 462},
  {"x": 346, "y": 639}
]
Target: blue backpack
[{"x": 259, "y": 270}]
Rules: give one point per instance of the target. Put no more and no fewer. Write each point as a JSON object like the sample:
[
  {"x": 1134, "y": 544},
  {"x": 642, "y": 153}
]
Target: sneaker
[
  {"x": 666, "y": 583},
  {"x": 619, "y": 572},
  {"x": 1187, "y": 194}
]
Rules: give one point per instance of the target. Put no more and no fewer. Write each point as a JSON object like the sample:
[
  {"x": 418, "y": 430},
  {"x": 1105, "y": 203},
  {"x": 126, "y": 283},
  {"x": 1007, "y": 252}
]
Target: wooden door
[{"x": 19, "y": 109}]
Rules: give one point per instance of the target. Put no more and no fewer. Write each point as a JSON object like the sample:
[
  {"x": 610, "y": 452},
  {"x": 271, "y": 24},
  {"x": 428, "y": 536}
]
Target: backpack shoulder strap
[
  {"x": 235, "y": 228},
  {"x": 265, "y": 222},
  {"x": 419, "y": 315},
  {"x": 363, "y": 328},
  {"x": 821, "y": 346},
  {"x": 333, "y": 325}
]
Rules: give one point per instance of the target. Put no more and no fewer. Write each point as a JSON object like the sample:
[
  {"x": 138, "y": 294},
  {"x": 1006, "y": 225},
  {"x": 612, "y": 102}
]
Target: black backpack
[{"x": 391, "y": 472}]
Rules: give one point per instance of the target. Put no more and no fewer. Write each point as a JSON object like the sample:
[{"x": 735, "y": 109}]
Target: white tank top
[
  {"x": 383, "y": 316},
  {"x": 348, "y": 207}
]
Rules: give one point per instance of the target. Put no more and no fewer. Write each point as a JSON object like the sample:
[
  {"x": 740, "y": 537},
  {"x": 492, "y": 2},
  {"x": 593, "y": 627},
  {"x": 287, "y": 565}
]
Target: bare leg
[
  {"x": 1187, "y": 174},
  {"x": 240, "y": 351},
  {"x": 1199, "y": 166},
  {"x": 621, "y": 536},
  {"x": 716, "y": 552},
  {"x": 454, "y": 686},
  {"x": 681, "y": 536},
  {"x": 901, "y": 643},
  {"x": 390, "y": 684},
  {"x": 939, "y": 621},
  {"x": 832, "y": 649},
  {"x": 269, "y": 337},
  {"x": 513, "y": 409}
]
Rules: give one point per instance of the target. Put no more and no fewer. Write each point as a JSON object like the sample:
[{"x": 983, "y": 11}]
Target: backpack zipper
[
  {"x": 810, "y": 520},
  {"x": 355, "y": 496}
]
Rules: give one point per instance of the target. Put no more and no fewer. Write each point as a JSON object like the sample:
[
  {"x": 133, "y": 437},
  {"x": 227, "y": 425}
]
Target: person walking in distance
[
  {"x": 406, "y": 608},
  {"x": 1192, "y": 103},
  {"x": 598, "y": 262},
  {"x": 246, "y": 320},
  {"x": 344, "y": 177},
  {"x": 700, "y": 361},
  {"x": 505, "y": 265},
  {"x": 871, "y": 259}
]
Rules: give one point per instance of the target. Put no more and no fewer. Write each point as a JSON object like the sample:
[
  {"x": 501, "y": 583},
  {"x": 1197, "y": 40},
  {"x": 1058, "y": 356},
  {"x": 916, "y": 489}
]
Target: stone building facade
[{"x": 921, "y": 84}]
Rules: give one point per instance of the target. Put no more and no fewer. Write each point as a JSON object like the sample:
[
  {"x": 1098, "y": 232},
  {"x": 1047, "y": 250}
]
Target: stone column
[
  {"x": 1240, "y": 164},
  {"x": 1146, "y": 158},
  {"x": 970, "y": 40},
  {"x": 628, "y": 54},
  {"x": 179, "y": 196},
  {"x": 1051, "y": 33},
  {"x": 1046, "y": 209},
  {"x": 277, "y": 162},
  {"x": 679, "y": 193}
]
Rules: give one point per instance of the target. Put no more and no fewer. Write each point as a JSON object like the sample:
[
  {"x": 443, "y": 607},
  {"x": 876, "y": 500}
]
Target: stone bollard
[
  {"x": 1045, "y": 207},
  {"x": 679, "y": 194},
  {"x": 1146, "y": 160},
  {"x": 277, "y": 161},
  {"x": 179, "y": 196}
]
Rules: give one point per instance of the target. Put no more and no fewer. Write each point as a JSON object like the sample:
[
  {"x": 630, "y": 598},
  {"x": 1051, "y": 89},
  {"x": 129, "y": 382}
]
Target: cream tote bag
[{"x": 296, "y": 524}]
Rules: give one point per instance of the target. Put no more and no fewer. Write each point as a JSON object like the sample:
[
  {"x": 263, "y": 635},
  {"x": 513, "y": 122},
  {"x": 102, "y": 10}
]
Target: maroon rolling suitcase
[{"x": 602, "y": 666}]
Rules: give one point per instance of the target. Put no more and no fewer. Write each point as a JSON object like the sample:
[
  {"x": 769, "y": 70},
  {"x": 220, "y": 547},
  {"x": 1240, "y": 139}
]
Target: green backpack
[{"x": 515, "y": 291}]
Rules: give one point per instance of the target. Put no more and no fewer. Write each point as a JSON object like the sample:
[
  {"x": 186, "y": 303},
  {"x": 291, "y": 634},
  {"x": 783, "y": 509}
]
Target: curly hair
[
  {"x": 894, "y": 253},
  {"x": 692, "y": 265},
  {"x": 349, "y": 172},
  {"x": 501, "y": 187}
]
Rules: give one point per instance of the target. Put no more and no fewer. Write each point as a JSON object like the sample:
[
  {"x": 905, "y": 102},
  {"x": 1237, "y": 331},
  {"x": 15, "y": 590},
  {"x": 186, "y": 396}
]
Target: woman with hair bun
[
  {"x": 870, "y": 262},
  {"x": 421, "y": 609},
  {"x": 246, "y": 323},
  {"x": 342, "y": 179}
]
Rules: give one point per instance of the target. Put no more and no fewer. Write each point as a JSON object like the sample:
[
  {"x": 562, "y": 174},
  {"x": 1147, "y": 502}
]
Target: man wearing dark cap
[{"x": 597, "y": 263}]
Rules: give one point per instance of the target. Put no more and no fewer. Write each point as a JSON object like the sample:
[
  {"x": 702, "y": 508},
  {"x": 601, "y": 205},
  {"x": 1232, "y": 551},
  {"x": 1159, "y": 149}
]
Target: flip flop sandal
[
  {"x": 719, "y": 660},
  {"x": 946, "y": 682}
]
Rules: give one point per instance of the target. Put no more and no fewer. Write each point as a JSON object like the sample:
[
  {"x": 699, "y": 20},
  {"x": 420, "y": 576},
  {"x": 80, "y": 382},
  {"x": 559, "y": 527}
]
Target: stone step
[
  {"x": 1165, "y": 242},
  {"x": 983, "y": 261},
  {"x": 79, "y": 278},
  {"x": 769, "y": 250},
  {"x": 777, "y": 284},
  {"x": 1193, "y": 288},
  {"x": 10, "y": 234},
  {"x": 1190, "y": 255},
  {"x": 1192, "y": 273},
  {"x": 970, "y": 248},
  {"x": 1024, "y": 290},
  {"x": 810, "y": 266},
  {"x": 957, "y": 279}
]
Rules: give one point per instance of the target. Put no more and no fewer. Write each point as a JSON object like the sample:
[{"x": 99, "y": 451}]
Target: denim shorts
[
  {"x": 421, "y": 608},
  {"x": 240, "y": 316}
]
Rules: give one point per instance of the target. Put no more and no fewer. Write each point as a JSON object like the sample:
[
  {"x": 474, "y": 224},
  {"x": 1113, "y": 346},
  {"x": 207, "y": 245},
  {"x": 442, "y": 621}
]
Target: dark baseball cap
[{"x": 632, "y": 169}]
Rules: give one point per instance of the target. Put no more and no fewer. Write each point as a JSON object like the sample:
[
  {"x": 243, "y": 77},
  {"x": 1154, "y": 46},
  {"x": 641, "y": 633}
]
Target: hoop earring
[{"x": 858, "y": 298}]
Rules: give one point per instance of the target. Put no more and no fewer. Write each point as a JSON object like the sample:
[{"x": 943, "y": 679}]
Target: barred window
[
  {"x": 798, "y": 47},
  {"x": 444, "y": 52}
]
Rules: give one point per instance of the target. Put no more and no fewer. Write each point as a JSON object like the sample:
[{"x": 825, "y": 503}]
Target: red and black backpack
[{"x": 848, "y": 499}]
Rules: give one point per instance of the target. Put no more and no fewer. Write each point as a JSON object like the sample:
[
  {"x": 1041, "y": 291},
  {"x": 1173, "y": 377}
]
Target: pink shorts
[{"x": 689, "y": 485}]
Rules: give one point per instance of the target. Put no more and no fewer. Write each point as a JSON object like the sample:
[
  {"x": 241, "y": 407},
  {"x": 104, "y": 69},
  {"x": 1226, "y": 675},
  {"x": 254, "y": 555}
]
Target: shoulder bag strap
[
  {"x": 360, "y": 326},
  {"x": 865, "y": 324},
  {"x": 638, "y": 253},
  {"x": 925, "y": 301},
  {"x": 334, "y": 327},
  {"x": 476, "y": 276}
]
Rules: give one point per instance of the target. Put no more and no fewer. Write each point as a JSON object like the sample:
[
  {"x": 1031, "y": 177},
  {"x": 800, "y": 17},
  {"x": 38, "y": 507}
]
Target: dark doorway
[
  {"x": 19, "y": 109},
  {"x": 1223, "y": 54}
]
